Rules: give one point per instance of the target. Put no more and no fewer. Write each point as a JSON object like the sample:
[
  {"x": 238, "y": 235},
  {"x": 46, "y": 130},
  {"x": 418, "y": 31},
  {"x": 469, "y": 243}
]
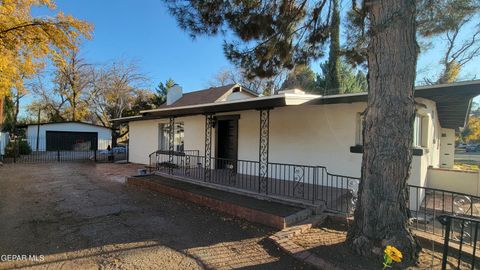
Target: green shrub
[{"x": 22, "y": 146}]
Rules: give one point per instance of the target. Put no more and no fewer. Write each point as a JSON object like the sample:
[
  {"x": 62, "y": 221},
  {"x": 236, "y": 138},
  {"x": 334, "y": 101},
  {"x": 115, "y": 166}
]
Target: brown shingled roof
[{"x": 208, "y": 95}]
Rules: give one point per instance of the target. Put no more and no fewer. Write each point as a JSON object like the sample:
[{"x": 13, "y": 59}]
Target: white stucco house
[
  {"x": 230, "y": 127},
  {"x": 67, "y": 136}
]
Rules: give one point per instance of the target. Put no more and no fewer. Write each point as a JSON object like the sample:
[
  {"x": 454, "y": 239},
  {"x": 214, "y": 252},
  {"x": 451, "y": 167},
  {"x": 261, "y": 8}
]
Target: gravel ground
[{"x": 83, "y": 216}]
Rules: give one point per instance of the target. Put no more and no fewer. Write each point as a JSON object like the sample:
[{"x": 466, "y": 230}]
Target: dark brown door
[{"x": 227, "y": 142}]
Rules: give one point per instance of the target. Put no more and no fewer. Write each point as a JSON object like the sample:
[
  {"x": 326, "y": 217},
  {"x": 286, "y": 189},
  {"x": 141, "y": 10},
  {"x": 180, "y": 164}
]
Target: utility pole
[{"x": 38, "y": 126}]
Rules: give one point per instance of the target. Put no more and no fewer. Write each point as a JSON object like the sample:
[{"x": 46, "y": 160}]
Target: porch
[
  {"x": 303, "y": 184},
  {"x": 311, "y": 185},
  {"x": 266, "y": 147},
  {"x": 255, "y": 209}
]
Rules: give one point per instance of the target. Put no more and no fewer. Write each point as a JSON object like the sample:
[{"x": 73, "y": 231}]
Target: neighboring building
[
  {"x": 292, "y": 127},
  {"x": 3, "y": 143},
  {"x": 75, "y": 136}
]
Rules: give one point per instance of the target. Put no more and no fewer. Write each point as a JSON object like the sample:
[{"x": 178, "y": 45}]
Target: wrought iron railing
[
  {"x": 427, "y": 204},
  {"x": 302, "y": 182},
  {"x": 456, "y": 228},
  {"x": 312, "y": 184},
  {"x": 65, "y": 148},
  {"x": 153, "y": 157}
]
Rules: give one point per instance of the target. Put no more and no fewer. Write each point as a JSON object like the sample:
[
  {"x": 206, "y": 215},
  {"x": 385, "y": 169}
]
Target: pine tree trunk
[{"x": 381, "y": 215}]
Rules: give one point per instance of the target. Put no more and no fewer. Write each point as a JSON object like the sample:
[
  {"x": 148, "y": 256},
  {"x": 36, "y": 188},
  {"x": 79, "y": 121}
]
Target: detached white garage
[{"x": 68, "y": 136}]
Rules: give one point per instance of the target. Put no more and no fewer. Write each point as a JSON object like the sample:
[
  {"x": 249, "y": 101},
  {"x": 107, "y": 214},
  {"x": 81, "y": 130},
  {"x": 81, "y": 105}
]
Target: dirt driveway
[{"x": 83, "y": 216}]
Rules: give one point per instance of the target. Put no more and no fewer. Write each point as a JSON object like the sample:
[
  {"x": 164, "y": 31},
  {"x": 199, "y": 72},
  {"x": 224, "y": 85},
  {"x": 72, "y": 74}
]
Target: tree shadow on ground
[{"x": 66, "y": 208}]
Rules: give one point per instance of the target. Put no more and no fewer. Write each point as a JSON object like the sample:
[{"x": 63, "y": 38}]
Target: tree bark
[
  {"x": 381, "y": 214},
  {"x": 74, "y": 105},
  {"x": 17, "y": 111}
]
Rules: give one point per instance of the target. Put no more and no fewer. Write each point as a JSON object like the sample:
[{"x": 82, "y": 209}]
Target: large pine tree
[
  {"x": 381, "y": 214},
  {"x": 332, "y": 82},
  {"x": 273, "y": 35}
]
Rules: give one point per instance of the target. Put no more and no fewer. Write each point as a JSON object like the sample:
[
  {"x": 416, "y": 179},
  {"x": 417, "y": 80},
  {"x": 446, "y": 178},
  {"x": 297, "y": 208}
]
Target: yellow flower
[{"x": 393, "y": 253}]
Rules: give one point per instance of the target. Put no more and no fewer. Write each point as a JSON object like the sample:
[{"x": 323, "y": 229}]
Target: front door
[{"x": 227, "y": 143}]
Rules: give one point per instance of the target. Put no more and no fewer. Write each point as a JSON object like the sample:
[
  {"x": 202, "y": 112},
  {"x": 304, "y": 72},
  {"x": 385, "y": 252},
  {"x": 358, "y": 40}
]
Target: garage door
[{"x": 71, "y": 141}]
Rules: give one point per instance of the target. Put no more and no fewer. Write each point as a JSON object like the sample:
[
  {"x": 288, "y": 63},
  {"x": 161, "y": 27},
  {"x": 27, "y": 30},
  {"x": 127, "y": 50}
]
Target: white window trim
[
  {"x": 179, "y": 141},
  {"x": 423, "y": 136},
  {"x": 359, "y": 128},
  {"x": 422, "y": 122}
]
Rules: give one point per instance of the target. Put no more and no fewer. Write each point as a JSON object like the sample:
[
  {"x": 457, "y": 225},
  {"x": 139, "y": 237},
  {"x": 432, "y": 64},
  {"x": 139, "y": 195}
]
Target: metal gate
[{"x": 62, "y": 147}]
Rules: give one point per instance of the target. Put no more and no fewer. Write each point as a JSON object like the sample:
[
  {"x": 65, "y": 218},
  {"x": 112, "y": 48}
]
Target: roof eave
[
  {"x": 221, "y": 107},
  {"x": 63, "y": 122}
]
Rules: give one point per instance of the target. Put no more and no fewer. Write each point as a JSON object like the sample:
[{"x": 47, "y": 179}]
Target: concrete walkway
[{"x": 83, "y": 216}]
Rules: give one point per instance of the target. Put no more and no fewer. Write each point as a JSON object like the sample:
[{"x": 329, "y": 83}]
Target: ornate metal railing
[
  {"x": 427, "y": 204},
  {"x": 313, "y": 184},
  {"x": 153, "y": 157},
  {"x": 456, "y": 230}
]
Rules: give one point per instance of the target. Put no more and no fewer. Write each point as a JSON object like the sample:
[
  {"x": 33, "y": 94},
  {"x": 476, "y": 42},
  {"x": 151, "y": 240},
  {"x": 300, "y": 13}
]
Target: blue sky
[{"x": 144, "y": 32}]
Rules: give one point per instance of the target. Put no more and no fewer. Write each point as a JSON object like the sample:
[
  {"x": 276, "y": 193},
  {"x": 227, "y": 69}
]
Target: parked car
[
  {"x": 119, "y": 149},
  {"x": 462, "y": 145},
  {"x": 105, "y": 154},
  {"x": 115, "y": 150},
  {"x": 473, "y": 148}
]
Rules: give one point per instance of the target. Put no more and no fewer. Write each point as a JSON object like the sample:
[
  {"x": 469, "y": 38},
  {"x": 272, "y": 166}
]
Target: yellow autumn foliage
[
  {"x": 26, "y": 41},
  {"x": 473, "y": 126},
  {"x": 451, "y": 72}
]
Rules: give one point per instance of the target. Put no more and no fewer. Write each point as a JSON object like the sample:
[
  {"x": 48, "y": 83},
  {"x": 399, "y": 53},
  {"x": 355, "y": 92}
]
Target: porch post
[
  {"x": 171, "y": 143},
  {"x": 263, "y": 151},
  {"x": 208, "y": 147}
]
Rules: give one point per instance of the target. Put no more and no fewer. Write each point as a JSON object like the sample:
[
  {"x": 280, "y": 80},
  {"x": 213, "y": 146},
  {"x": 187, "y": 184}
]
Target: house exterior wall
[
  {"x": 432, "y": 158},
  {"x": 447, "y": 148},
  {"x": 431, "y": 141},
  {"x": 143, "y": 140},
  {"x": 194, "y": 132},
  {"x": 304, "y": 134},
  {"x": 104, "y": 134},
  {"x": 316, "y": 135},
  {"x": 467, "y": 182},
  {"x": 420, "y": 164},
  {"x": 418, "y": 178},
  {"x": 143, "y": 136}
]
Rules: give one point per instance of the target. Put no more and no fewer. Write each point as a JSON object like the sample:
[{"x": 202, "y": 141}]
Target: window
[
  {"x": 359, "y": 129},
  {"x": 420, "y": 130},
  {"x": 163, "y": 131},
  {"x": 179, "y": 137},
  {"x": 163, "y": 137},
  {"x": 417, "y": 132}
]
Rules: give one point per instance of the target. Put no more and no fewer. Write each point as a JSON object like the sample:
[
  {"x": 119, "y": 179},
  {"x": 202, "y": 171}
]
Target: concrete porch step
[{"x": 270, "y": 213}]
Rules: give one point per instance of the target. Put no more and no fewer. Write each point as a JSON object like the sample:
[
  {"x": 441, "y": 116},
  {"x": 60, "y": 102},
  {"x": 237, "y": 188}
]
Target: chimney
[{"x": 174, "y": 93}]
